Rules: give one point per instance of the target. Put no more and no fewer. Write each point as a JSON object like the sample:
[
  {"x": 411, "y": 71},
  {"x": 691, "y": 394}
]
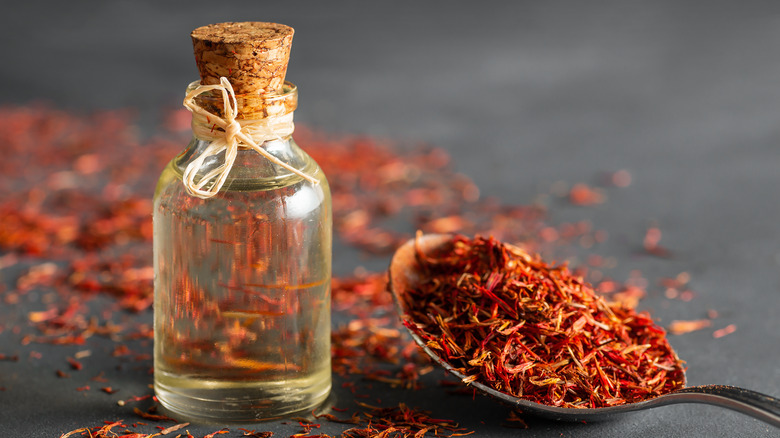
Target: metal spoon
[{"x": 404, "y": 273}]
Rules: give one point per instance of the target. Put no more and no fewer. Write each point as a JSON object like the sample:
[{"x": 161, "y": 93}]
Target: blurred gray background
[{"x": 685, "y": 95}]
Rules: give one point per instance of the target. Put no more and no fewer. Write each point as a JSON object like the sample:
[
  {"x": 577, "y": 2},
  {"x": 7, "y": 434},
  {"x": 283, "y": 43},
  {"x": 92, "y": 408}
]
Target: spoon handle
[{"x": 755, "y": 404}]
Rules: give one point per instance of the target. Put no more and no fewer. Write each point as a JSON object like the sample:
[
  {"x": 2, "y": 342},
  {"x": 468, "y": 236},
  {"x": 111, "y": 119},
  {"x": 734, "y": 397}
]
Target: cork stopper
[{"x": 253, "y": 56}]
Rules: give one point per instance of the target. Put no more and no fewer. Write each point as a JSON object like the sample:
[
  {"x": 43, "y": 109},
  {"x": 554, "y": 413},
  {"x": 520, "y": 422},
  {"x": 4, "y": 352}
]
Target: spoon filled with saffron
[{"x": 539, "y": 338}]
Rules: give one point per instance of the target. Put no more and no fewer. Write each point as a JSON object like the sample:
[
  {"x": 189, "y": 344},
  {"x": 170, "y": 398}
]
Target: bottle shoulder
[{"x": 250, "y": 171}]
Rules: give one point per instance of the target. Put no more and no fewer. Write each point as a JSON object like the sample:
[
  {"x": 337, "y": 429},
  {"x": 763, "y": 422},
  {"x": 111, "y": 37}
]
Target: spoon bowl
[{"x": 405, "y": 273}]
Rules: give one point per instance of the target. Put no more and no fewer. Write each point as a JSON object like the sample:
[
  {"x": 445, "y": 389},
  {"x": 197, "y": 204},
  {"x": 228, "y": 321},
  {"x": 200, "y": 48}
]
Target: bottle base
[{"x": 219, "y": 401}]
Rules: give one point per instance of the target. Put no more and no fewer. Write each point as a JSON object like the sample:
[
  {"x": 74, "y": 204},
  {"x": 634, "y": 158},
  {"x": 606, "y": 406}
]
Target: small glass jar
[{"x": 242, "y": 281}]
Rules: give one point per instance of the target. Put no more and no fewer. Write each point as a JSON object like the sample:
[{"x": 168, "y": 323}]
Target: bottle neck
[
  {"x": 225, "y": 135},
  {"x": 247, "y": 106},
  {"x": 205, "y": 127}
]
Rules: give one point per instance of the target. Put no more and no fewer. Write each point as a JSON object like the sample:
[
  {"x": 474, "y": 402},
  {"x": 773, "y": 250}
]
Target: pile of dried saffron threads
[{"x": 512, "y": 322}]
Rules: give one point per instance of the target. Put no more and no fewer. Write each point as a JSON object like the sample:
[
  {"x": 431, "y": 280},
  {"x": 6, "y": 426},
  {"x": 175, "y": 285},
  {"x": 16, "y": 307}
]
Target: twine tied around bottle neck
[{"x": 233, "y": 133}]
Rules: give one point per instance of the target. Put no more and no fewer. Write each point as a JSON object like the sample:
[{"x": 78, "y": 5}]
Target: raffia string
[{"x": 245, "y": 133}]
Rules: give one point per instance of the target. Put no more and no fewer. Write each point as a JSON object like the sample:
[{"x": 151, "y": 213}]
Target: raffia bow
[{"x": 246, "y": 133}]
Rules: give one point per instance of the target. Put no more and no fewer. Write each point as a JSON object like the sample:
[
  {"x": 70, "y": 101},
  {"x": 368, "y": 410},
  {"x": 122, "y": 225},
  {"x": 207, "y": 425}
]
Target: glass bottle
[{"x": 242, "y": 283}]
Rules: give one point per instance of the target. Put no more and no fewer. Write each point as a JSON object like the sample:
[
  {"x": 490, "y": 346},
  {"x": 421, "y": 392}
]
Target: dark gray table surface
[{"x": 683, "y": 95}]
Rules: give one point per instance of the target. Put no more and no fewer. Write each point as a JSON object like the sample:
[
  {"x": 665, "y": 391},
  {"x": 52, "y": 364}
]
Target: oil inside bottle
[{"x": 242, "y": 295}]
